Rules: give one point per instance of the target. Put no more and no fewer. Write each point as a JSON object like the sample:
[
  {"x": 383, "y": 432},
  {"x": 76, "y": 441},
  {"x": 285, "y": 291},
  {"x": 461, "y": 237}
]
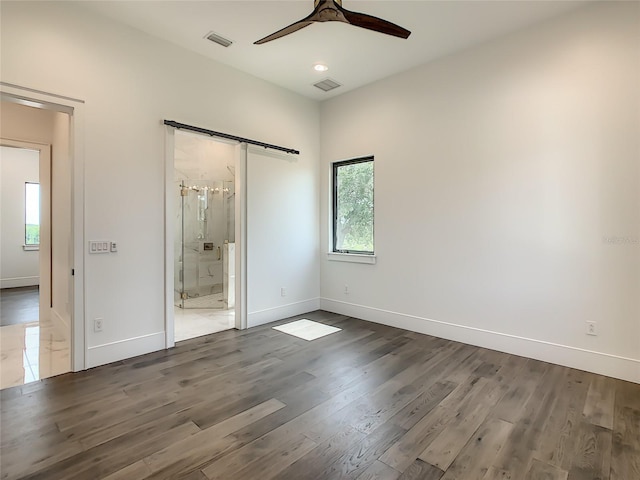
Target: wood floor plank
[
  {"x": 341, "y": 410},
  {"x": 625, "y": 450},
  {"x": 360, "y": 456},
  {"x": 423, "y": 404},
  {"x": 561, "y": 430},
  {"x": 379, "y": 471},
  {"x": 136, "y": 470},
  {"x": 478, "y": 454},
  {"x": 420, "y": 470},
  {"x": 447, "y": 445},
  {"x": 544, "y": 471},
  {"x": 112, "y": 456},
  {"x": 96, "y": 433},
  {"x": 22, "y": 462},
  {"x": 313, "y": 463},
  {"x": 363, "y": 403},
  {"x": 423, "y": 433},
  {"x": 592, "y": 460},
  {"x": 514, "y": 459},
  {"x": 510, "y": 406},
  {"x": 199, "y": 448},
  {"x": 598, "y": 408},
  {"x": 271, "y": 464}
]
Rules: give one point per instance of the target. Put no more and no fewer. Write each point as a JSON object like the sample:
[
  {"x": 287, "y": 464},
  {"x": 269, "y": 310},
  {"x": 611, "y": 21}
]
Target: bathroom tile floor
[
  {"x": 190, "y": 323},
  {"x": 31, "y": 351}
]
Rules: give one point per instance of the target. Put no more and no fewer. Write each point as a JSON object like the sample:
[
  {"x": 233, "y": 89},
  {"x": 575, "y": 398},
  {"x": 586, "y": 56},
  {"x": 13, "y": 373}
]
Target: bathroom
[{"x": 204, "y": 246}]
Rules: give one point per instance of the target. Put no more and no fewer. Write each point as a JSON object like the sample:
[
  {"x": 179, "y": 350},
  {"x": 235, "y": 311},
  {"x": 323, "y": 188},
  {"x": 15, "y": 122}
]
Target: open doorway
[
  {"x": 204, "y": 235},
  {"x": 35, "y": 274}
]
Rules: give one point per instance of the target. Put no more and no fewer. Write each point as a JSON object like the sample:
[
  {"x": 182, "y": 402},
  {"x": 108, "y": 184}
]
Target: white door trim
[
  {"x": 241, "y": 236},
  {"x": 75, "y": 109}
]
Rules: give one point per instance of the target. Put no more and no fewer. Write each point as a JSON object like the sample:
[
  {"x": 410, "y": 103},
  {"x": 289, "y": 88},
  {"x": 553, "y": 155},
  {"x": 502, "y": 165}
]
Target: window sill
[
  {"x": 30, "y": 248},
  {"x": 351, "y": 257}
]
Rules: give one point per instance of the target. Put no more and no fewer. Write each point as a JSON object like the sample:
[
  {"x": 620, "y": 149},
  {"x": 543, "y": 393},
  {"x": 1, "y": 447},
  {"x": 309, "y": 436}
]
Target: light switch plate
[{"x": 98, "y": 246}]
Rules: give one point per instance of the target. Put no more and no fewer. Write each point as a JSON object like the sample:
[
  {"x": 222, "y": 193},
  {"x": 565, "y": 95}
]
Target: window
[
  {"x": 31, "y": 214},
  {"x": 353, "y": 206}
]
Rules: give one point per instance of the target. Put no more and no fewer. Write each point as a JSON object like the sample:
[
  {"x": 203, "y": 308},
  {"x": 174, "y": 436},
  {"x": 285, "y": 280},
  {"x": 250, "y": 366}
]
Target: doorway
[
  {"x": 60, "y": 138},
  {"x": 204, "y": 236},
  {"x": 34, "y": 338}
]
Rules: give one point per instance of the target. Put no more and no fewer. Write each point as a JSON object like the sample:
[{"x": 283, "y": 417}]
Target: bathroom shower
[{"x": 205, "y": 257}]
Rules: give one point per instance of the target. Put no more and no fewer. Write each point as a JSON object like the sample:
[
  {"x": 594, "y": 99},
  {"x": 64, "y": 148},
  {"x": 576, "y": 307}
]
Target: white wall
[
  {"x": 130, "y": 83},
  {"x": 282, "y": 235},
  {"x": 18, "y": 268},
  {"x": 500, "y": 173}
]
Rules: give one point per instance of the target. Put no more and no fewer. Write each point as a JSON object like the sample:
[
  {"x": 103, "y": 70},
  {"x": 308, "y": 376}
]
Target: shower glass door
[{"x": 201, "y": 242}]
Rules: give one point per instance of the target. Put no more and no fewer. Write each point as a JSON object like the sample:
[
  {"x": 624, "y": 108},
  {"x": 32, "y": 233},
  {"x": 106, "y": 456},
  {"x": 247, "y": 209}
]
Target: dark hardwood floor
[
  {"x": 369, "y": 402},
  {"x": 19, "y": 305}
]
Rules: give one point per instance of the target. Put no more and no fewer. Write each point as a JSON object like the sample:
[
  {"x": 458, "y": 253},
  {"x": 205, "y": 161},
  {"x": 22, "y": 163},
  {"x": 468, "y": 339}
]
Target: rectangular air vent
[
  {"x": 327, "y": 84},
  {"x": 214, "y": 37}
]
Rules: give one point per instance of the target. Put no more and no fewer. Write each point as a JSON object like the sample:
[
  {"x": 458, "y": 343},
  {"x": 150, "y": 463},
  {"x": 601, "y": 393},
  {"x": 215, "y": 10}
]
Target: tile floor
[
  {"x": 190, "y": 323},
  {"x": 31, "y": 351}
]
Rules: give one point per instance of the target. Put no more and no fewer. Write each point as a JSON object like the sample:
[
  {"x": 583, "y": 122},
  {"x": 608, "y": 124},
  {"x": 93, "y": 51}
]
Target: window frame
[
  {"x": 27, "y": 245},
  {"x": 334, "y": 206}
]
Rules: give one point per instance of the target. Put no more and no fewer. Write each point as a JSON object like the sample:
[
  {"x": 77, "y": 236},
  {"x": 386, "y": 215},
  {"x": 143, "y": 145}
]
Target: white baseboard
[
  {"x": 19, "y": 282},
  {"x": 131, "y": 347},
  {"x": 590, "y": 361},
  {"x": 284, "y": 311}
]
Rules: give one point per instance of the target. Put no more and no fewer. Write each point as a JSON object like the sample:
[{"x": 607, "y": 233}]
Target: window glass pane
[
  {"x": 32, "y": 214},
  {"x": 353, "y": 201}
]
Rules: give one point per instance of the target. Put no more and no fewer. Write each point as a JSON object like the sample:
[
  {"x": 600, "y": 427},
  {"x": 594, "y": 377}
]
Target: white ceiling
[{"x": 355, "y": 56}]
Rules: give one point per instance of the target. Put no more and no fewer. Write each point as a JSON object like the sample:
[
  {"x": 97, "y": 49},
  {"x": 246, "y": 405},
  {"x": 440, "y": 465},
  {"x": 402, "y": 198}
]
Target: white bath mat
[{"x": 307, "y": 329}]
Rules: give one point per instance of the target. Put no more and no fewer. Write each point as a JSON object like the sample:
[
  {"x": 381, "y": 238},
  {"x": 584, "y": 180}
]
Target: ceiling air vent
[
  {"x": 215, "y": 38},
  {"x": 327, "y": 84}
]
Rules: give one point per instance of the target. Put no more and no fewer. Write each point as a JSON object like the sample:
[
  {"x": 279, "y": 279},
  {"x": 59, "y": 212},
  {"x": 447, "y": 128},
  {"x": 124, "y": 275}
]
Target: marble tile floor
[
  {"x": 32, "y": 351},
  {"x": 191, "y": 323},
  {"x": 209, "y": 301}
]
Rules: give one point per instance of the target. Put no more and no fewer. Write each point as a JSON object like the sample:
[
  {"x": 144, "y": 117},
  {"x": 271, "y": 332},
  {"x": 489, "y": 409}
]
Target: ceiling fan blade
[
  {"x": 374, "y": 23},
  {"x": 294, "y": 27}
]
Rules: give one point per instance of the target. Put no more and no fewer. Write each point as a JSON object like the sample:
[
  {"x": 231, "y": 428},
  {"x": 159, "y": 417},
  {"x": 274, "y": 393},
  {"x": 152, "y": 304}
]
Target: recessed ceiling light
[{"x": 320, "y": 67}]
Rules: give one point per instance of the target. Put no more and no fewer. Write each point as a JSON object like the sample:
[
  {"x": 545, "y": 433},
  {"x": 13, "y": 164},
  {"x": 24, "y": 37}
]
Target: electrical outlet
[
  {"x": 346, "y": 289},
  {"x": 283, "y": 292},
  {"x": 591, "y": 328},
  {"x": 97, "y": 325}
]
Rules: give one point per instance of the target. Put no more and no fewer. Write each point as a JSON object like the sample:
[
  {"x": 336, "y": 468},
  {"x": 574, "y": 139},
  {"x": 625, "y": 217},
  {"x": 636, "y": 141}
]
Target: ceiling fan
[{"x": 332, "y": 11}]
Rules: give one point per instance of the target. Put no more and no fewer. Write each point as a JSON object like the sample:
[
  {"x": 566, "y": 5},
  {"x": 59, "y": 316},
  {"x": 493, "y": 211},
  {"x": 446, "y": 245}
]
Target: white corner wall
[
  {"x": 18, "y": 268},
  {"x": 130, "y": 82},
  {"x": 507, "y": 187}
]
